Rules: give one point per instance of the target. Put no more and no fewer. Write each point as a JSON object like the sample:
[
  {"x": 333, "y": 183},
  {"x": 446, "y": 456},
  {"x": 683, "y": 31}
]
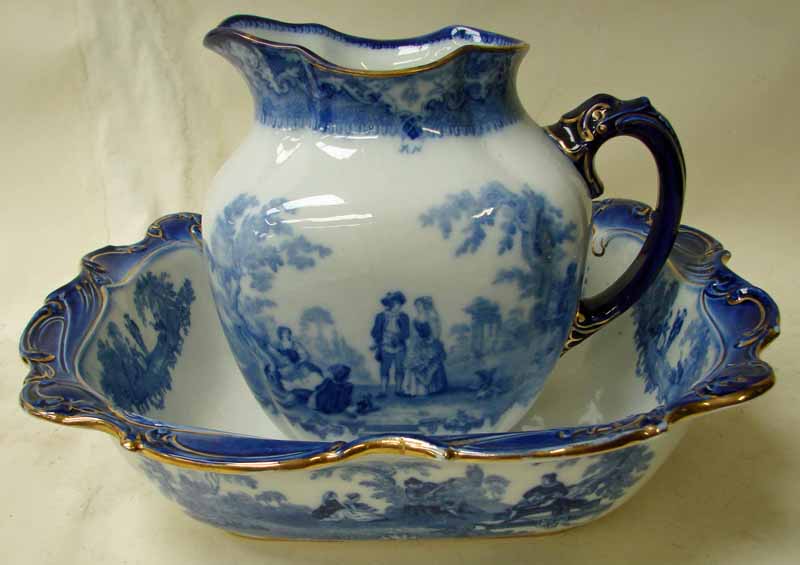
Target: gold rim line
[
  {"x": 42, "y": 370},
  {"x": 409, "y": 446},
  {"x": 323, "y": 64}
]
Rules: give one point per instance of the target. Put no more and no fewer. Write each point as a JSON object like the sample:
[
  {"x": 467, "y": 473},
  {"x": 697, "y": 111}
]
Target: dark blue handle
[{"x": 580, "y": 134}]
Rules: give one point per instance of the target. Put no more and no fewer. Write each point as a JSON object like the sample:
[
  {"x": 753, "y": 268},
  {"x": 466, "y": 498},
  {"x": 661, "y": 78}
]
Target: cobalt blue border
[
  {"x": 746, "y": 317},
  {"x": 469, "y": 91}
]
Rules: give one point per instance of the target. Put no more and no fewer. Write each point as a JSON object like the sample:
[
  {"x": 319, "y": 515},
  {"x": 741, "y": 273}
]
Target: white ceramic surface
[
  {"x": 396, "y": 245},
  {"x": 133, "y": 347}
]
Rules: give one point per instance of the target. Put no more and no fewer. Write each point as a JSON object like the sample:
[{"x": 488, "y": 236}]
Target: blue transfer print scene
[
  {"x": 380, "y": 499},
  {"x": 661, "y": 328},
  {"x": 135, "y": 375},
  {"x": 393, "y": 377}
]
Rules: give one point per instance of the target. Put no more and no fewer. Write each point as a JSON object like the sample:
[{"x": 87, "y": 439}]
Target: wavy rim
[
  {"x": 226, "y": 30},
  {"x": 53, "y": 390}
]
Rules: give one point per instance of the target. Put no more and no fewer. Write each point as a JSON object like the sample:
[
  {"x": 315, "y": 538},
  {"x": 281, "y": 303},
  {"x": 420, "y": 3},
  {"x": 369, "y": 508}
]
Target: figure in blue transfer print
[
  {"x": 549, "y": 497},
  {"x": 330, "y": 505},
  {"x": 292, "y": 361},
  {"x": 455, "y": 497},
  {"x": 426, "y": 371},
  {"x": 335, "y": 393},
  {"x": 296, "y": 380},
  {"x": 351, "y": 508},
  {"x": 390, "y": 333},
  {"x": 391, "y": 501},
  {"x": 284, "y": 397}
]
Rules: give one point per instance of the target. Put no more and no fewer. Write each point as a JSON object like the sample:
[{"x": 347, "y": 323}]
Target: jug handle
[{"x": 580, "y": 134}]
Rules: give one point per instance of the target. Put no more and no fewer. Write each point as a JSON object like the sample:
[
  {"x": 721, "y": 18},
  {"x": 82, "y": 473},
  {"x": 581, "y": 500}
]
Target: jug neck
[{"x": 455, "y": 82}]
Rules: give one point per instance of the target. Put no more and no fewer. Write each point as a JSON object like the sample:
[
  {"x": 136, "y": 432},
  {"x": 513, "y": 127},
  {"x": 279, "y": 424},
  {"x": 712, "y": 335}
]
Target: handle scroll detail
[{"x": 580, "y": 134}]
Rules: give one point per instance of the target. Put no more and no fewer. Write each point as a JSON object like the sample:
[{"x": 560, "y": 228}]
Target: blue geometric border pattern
[
  {"x": 470, "y": 91},
  {"x": 746, "y": 316}
]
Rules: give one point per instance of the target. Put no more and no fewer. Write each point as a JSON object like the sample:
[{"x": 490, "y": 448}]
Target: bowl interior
[{"x": 649, "y": 356}]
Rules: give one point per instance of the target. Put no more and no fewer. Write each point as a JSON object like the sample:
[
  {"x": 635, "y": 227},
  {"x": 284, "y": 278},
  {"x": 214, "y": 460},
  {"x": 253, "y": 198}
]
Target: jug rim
[{"x": 496, "y": 43}]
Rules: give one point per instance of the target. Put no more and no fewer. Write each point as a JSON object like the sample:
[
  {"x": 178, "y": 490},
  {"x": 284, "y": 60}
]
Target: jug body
[{"x": 395, "y": 250}]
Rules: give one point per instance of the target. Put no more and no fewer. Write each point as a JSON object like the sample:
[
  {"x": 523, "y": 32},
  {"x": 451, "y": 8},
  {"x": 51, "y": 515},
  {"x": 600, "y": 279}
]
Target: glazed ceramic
[
  {"x": 396, "y": 245},
  {"x": 133, "y": 347}
]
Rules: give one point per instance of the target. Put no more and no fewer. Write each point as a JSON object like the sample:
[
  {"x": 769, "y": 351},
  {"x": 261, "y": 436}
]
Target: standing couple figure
[{"x": 425, "y": 356}]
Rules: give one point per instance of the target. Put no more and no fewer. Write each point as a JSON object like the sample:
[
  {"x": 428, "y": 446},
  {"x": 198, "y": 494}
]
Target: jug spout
[{"x": 455, "y": 81}]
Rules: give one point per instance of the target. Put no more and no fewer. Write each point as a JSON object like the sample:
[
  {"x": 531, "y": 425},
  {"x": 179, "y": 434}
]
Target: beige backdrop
[{"x": 113, "y": 114}]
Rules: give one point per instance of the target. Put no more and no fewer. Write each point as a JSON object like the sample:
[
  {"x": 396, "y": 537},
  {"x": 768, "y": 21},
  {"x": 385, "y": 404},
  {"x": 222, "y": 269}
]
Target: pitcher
[{"x": 397, "y": 246}]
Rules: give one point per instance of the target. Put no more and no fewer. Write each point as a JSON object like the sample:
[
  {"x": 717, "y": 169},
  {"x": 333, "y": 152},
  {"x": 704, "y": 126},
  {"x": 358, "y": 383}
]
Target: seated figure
[{"x": 335, "y": 393}]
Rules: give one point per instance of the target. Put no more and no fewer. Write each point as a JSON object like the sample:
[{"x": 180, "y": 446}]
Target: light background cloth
[{"x": 112, "y": 114}]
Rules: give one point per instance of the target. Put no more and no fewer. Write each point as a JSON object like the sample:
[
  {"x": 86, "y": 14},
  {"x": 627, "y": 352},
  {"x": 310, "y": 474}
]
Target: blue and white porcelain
[
  {"x": 396, "y": 245},
  {"x": 133, "y": 347}
]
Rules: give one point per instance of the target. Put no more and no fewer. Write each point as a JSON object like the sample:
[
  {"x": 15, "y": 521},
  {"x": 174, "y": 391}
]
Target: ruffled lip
[{"x": 474, "y": 39}]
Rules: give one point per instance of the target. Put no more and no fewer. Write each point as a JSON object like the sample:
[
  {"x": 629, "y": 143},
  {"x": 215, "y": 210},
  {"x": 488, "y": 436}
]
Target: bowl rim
[{"x": 54, "y": 391}]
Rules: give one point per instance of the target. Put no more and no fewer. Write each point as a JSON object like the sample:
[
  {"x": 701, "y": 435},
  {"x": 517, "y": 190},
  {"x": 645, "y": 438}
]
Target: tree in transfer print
[
  {"x": 327, "y": 346},
  {"x": 250, "y": 245},
  {"x": 135, "y": 375},
  {"x": 485, "y": 326},
  {"x": 527, "y": 221},
  {"x": 410, "y": 497},
  {"x": 456, "y": 499},
  {"x": 611, "y": 474},
  {"x": 661, "y": 328},
  {"x": 514, "y": 329},
  {"x": 461, "y": 334},
  {"x": 317, "y": 318}
]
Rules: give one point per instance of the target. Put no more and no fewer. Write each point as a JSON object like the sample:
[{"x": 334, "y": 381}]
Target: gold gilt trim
[
  {"x": 588, "y": 126},
  {"x": 409, "y": 446},
  {"x": 580, "y": 331},
  {"x": 326, "y": 65},
  {"x": 41, "y": 370}
]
